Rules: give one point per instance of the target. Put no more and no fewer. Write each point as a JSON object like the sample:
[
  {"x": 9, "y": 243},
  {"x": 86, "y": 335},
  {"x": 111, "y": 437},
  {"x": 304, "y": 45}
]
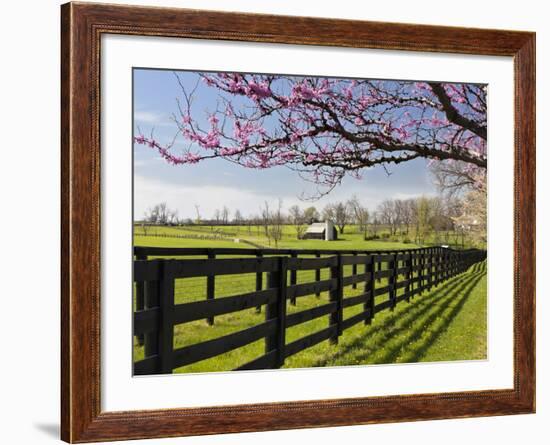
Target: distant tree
[
  {"x": 400, "y": 209},
  {"x": 474, "y": 214},
  {"x": 408, "y": 214},
  {"x": 238, "y": 217},
  {"x": 163, "y": 213},
  {"x": 159, "y": 214},
  {"x": 422, "y": 219},
  {"x": 276, "y": 220},
  {"x": 250, "y": 221},
  {"x": 197, "y": 211},
  {"x": 311, "y": 215},
  {"x": 359, "y": 213},
  {"x": 150, "y": 215},
  {"x": 375, "y": 223},
  {"x": 438, "y": 220},
  {"x": 338, "y": 212},
  {"x": 172, "y": 217},
  {"x": 225, "y": 215},
  {"x": 453, "y": 206},
  {"x": 217, "y": 216},
  {"x": 144, "y": 228},
  {"x": 297, "y": 219},
  {"x": 328, "y": 213},
  {"x": 388, "y": 215},
  {"x": 454, "y": 177},
  {"x": 265, "y": 217}
]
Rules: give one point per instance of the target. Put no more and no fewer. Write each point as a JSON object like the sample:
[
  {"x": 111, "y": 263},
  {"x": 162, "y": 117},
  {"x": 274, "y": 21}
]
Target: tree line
[{"x": 414, "y": 219}]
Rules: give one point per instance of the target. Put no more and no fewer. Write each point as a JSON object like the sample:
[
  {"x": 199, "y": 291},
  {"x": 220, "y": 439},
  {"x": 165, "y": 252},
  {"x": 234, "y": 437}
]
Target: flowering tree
[{"x": 326, "y": 128}]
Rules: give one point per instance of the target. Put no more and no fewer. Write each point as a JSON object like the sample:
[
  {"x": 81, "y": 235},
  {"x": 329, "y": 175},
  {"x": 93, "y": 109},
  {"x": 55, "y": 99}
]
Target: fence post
[
  {"x": 413, "y": 266},
  {"x": 318, "y": 275},
  {"x": 166, "y": 329},
  {"x": 441, "y": 276},
  {"x": 210, "y": 287},
  {"x": 417, "y": 270},
  {"x": 337, "y": 296},
  {"x": 392, "y": 281},
  {"x": 422, "y": 253},
  {"x": 430, "y": 270},
  {"x": 369, "y": 287},
  {"x": 439, "y": 265},
  {"x": 437, "y": 260},
  {"x": 421, "y": 271},
  {"x": 140, "y": 299},
  {"x": 408, "y": 289},
  {"x": 379, "y": 268},
  {"x": 151, "y": 301},
  {"x": 293, "y": 275},
  {"x": 434, "y": 269},
  {"x": 354, "y": 271},
  {"x": 160, "y": 343},
  {"x": 453, "y": 264},
  {"x": 277, "y": 311},
  {"x": 444, "y": 260},
  {"x": 259, "y": 282}
]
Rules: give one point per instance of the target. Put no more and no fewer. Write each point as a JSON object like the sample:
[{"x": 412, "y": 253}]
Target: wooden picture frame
[{"x": 82, "y": 26}]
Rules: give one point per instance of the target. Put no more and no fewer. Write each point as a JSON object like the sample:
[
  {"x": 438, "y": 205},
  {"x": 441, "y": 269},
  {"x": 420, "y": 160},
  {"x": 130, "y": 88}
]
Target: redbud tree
[{"x": 327, "y": 128}]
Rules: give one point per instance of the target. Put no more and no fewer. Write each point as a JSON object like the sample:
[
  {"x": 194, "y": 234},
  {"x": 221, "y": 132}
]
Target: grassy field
[
  {"x": 448, "y": 323},
  {"x": 225, "y": 236},
  {"x": 237, "y": 236}
]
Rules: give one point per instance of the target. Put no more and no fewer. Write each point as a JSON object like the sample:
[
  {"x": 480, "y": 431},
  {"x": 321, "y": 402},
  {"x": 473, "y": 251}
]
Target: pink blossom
[
  {"x": 259, "y": 90},
  {"x": 321, "y": 123}
]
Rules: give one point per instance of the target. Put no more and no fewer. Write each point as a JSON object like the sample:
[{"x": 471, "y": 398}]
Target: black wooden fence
[{"x": 408, "y": 274}]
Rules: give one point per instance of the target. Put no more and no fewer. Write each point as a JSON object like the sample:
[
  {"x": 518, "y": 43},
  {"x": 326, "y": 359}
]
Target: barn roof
[{"x": 316, "y": 228}]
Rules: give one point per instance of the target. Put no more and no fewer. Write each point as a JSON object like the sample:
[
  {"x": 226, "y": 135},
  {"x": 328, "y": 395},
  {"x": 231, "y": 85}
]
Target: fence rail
[{"x": 408, "y": 273}]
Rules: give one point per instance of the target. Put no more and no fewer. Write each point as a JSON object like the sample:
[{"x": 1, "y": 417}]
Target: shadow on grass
[{"x": 412, "y": 323}]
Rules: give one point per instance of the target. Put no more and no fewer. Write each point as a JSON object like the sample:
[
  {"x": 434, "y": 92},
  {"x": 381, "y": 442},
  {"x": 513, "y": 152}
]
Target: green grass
[
  {"x": 447, "y": 323},
  {"x": 350, "y": 240}
]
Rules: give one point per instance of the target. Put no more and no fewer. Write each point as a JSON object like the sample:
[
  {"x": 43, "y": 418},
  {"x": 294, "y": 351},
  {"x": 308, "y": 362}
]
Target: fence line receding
[{"x": 397, "y": 275}]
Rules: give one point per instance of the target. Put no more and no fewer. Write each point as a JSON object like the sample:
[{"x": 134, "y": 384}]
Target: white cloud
[
  {"x": 153, "y": 118},
  {"x": 404, "y": 196},
  {"x": 148, "y": 192},
  {"x": 147, "y": 117}
]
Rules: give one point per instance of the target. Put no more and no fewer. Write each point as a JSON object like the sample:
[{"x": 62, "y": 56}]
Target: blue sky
[{"x": 214, "y": 183}]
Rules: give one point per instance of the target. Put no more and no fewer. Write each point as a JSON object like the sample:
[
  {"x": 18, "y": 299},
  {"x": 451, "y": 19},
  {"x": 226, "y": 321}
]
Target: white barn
[{"x": 322, "y": 230}]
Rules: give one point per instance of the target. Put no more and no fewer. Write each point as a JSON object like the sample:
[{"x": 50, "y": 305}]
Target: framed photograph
[{"x": 276, "y": 222}]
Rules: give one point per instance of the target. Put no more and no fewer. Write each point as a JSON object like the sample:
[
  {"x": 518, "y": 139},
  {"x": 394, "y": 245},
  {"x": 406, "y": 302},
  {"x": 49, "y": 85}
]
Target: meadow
[
  {"x": 447, "y": 323},
  {"x": 244, "y": 236}
]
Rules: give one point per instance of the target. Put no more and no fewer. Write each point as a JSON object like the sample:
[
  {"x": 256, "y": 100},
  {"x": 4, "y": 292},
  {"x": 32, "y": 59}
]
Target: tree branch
[{"x": 453, "y": 114}]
